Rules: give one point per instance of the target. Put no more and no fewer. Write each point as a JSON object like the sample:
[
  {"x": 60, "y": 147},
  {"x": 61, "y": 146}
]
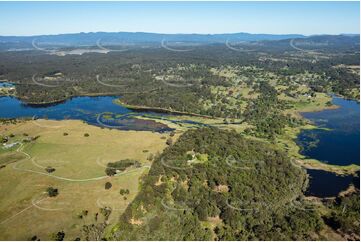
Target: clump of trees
[
  {"x": 124, "y": 191},
  {"x": 106, "y": 211},
  {"x": 122, "y": 165},
  {"x": 345, "y": 215}
]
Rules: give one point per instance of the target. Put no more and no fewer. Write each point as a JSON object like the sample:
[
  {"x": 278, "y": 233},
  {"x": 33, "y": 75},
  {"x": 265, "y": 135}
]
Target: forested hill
[{"x": 215, "y": 185}]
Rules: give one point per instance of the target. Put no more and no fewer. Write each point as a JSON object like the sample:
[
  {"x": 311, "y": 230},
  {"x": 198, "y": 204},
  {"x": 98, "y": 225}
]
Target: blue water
[
  {"x": 84, "y": 108},
  {"x": 341, "y": 144},
  {"x": 6, "y": 84},
  {"x": 327, "y": 184},
  {"x": 91, "y": 110}
]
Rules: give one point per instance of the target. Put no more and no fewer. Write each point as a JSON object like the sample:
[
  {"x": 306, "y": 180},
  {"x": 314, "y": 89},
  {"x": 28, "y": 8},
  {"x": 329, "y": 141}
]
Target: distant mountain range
[
  {"x": 136, "y": 37},
  {"x": 109, "y": 38}
]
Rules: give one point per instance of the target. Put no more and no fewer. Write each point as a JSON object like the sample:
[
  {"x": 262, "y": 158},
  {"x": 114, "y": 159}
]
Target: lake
[
  {"x": 327, "y": 184},
  {"x": 100, "y": 111},
  {"x": 338, "y": 144}
]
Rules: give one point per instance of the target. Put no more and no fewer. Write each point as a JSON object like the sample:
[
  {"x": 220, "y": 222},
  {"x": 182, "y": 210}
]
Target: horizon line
[{"x": 144, "y": 32}]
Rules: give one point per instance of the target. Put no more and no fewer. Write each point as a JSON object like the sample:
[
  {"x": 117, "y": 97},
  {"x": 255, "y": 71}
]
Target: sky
[{"x": 37, "y": 18}]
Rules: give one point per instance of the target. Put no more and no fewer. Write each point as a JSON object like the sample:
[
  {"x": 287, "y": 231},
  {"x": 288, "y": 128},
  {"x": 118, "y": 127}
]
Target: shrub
[
  {"x": 34, "y": 238},
  {"x": 110, "y": 171},
  {"x": 49, "y": 169},
  {"x": 124, "y": 191},
  {"x": 35, "y": 138},
  {"x": 150, "y": 157},
  {"x": 86, "y": 135},
  {"x": 108, "y": 185},
  {"x": 106, "y": 211},
  {"x": 169, "y": 141},
  {"x": 58, "y": 236},
  {"x": 52, "y": 192}
]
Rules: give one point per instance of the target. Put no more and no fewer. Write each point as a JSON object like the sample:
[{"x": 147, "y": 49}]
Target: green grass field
[{"x": 80, "y": 163}]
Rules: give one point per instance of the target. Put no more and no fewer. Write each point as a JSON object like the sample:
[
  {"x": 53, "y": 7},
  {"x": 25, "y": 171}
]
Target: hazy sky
[{"x": 27, "y": 18}]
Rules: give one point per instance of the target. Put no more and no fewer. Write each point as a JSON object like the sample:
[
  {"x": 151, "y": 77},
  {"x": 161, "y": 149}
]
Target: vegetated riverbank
[
  {"x": 159, "y": 110},
  {"x": 58, "y": 101}
]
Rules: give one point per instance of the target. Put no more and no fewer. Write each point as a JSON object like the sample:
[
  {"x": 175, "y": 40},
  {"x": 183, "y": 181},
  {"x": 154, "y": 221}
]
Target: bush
[
  {"x": 86, "y": 135},
  {"x": 106, "y": 212},
  {"x": 34, "y": 238},
  {"x": 150, "y": 157},
  {"x": 124, "y": 191},
  {"x": 4, "y": 139},
  {"x": 52, "y": 192},
  {"x": 58, "y": 236},
  {"x": 49, "y": 169},
  {"x": 108, "y": 185},
  {"x": 65, "y": 134},
  {"x": 169, "y": 141},
  {"x": 35, "y": 138},
  {"x": 110, "y": 171}
]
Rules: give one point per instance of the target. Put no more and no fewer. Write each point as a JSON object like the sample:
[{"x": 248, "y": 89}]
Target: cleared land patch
[{"x": 75, "y": 157}]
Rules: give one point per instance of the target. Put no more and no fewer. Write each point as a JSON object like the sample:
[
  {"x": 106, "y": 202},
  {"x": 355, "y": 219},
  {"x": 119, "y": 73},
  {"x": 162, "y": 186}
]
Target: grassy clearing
[
  {"x": 73, "y": 156},
  {"x": 318, "y": 103}
]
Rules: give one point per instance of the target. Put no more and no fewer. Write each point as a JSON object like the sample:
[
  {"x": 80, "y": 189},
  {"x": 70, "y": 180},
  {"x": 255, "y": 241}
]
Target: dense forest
[
  {"x": 265, "y": 113},
  {"x": 216, "y": 185}
]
